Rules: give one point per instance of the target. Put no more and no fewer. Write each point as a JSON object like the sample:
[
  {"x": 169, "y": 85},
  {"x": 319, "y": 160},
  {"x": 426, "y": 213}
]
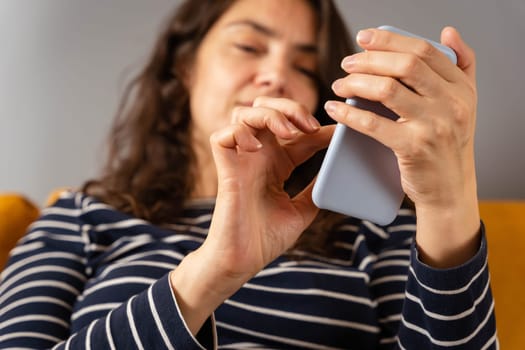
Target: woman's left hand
[{"x": 433, "y": 139}]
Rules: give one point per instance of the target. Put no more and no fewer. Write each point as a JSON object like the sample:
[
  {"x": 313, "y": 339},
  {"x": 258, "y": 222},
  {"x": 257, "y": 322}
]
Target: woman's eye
[
  {"x": 247, "y": 48},
  {"x": 310, "y": 73}
]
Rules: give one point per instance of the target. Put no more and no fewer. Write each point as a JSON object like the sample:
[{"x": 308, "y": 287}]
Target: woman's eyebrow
[{"x": 260, "y": 28}]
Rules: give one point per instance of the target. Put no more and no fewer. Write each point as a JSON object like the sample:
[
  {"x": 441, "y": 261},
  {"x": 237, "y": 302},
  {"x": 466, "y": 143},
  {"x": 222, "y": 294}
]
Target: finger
[
  {"x": 236, "y": 136},
  {"x": 407, "y": 68},
  {"x": 386, "y": 90},
  {"x": 466, "y": 56},
  {"x": 305, "y": 146},
  {"x": 384, "y": 40},
  {"x": 295, "y": 112},
  {"x": 305, "y": 205},
  {"x": 390, "y": 133},
  {"x": 262, "y": 118}
]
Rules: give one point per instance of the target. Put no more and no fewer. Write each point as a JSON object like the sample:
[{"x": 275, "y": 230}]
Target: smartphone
[{"x": 359, "y": 176}]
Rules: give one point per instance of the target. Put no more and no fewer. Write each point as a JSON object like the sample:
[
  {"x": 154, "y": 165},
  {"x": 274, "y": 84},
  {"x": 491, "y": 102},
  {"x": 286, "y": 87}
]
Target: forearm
[
  {"x": 448, "y": 234},
  {"x": 200, "y": 289}
]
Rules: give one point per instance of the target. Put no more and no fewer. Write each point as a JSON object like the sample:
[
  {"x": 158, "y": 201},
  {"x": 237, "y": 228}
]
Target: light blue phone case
[{"x": 359, "y": 176}]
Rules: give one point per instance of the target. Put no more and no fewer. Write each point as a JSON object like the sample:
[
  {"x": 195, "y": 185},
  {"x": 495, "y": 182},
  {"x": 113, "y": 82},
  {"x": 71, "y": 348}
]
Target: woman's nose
[{"x": 272, "y": 77}]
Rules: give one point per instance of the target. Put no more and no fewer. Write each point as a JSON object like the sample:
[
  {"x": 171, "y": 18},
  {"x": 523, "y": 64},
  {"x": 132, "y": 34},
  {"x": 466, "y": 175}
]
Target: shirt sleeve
[
  {"x": 45, "y": 276},
  {"x": 449, "y": 308}
]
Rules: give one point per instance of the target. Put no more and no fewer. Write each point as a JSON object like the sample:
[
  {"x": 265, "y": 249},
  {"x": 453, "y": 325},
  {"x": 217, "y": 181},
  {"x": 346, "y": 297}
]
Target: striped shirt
[{"x": 88, "y": 276}]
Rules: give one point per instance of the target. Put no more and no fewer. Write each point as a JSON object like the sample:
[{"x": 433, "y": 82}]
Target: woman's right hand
[{"x": 255, "y": 220}]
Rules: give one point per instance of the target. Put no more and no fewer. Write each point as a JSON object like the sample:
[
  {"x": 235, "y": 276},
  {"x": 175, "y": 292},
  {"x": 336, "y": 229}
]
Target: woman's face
[{"x": 256, "y": 48}]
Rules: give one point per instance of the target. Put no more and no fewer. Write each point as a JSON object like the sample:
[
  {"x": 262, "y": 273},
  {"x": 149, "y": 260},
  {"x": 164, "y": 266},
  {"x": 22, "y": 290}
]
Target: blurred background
[{"x": 64, "y": 65}]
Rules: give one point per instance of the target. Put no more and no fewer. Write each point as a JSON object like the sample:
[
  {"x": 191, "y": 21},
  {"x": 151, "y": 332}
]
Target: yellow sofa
[
  {"x": 504, "y": 220},
  {"x": 505, "y": 224}
]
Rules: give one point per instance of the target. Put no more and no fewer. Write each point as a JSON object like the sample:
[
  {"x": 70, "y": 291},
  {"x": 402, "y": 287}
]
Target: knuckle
[
  {"x": 388, "y": 89},
  {"x": 425, "y": 49},
  {"x": 369, "y": 122},
  {"x": 410, "y": 66},
  {"x": 442, "y": 132}
]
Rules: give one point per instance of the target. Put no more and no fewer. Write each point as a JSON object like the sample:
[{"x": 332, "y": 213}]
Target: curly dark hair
[{"x": 150, "y": 165}]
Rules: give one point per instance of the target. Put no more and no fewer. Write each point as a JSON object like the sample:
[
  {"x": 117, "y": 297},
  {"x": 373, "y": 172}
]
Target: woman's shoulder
[{"x": 77, "y": 206}]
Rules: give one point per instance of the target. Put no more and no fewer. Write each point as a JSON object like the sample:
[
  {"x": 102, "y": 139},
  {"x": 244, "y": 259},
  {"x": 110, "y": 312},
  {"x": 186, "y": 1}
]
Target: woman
[{"x": 202, "y": 232}]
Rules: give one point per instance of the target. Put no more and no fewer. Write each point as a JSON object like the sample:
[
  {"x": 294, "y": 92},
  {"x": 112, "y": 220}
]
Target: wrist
[
  {"x": 199, "y": 289},
  {"x": 448, "y": 236}
]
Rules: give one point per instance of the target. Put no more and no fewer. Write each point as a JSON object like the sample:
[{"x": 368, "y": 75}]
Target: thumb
[{"x": 466, "y": 56}]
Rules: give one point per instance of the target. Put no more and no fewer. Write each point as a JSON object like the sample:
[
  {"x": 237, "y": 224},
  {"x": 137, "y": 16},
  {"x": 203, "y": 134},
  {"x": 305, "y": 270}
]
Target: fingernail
[
  {"x": 292, "y": 128},
  {"x": 364, "y": 36},
  {"x": 348, "y": 62},
  {"x": 314, "y": 123},
  {"x": 336, "y": 84},
  {"x": 330, "y": 107}
]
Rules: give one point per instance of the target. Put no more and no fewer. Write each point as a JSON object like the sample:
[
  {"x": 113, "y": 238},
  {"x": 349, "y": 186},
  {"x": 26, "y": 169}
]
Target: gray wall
[{"x": 64, "y": 63}]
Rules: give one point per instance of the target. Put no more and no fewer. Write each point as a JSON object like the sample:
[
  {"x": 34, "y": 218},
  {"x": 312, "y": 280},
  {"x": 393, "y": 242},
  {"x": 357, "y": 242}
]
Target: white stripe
[
  {"x": 31, "y": 272},
  {"x": 401, "y": 228},
  {"x": 34, "y": 235},
  {"x": 349, "y": 228},
  {"x": 71, "y": 212},
  {"x": 344, "y": 245},
  {"x": 357, "y": 243},
  {"x": 36, "y": 284},
  {"x": 94, "y": 308},
  {"x": 463, "y": 314},
  {"x": 39, "y": 256},
  {"x": 322, "y": 258},
  {"x": 34, "y": 317},
  {"x": 197, "y": 220},
  {"x": 371, "y": 258},
  {"x": 144, "y": 255},
  {"x": 26, "y": 248},
  {"x": 127, "y": 223},
  {"x": 158, "y": 322},
  {"x": 388, "y": 279},
  {"x": 88, "y": 335},
  {"x": 289, "y": 341},
  {"x": 47, "y": 224},
  {"x": 390, "y": 263},
  {"x": 451, "y": 291},
  {"x": 376, "y": 230},
  {"x": 406, "y": 212},
  {"x": 315, "y": 292},
  {"x": 127, "y": 243},
  {"x": 304, "y": 317},
  {"x": 391, "y": 318},
  {"x": 395, "y": 252},
  {"x": 116, "y": 281},
  {"x": 449, "y": 342},
  {"x": 179, "y": 237},
  {"x": 30, "y": 300},
  {"x": 306, "y": 262},
  {"x": 132, "y": 326},
  {"x": 492, "y": 340},
  {"x": 29, "y": 335},
  {"x": 390, "y": 297},
  {"x": 342, "y": 273},
  {"x": 120, "y": 265},
  {"x": 389, "y": 340},
  {"x": 108, "y": 331},
  {"x": 94, "y": 206},
  {"x": 243, "y": 345},
  {"x": 68, "y": 342}
]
